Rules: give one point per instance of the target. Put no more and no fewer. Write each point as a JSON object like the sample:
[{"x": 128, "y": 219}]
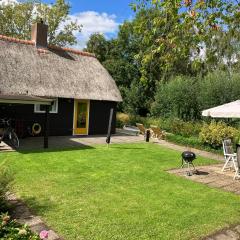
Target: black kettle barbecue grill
[{"x": 187, "y": 160}]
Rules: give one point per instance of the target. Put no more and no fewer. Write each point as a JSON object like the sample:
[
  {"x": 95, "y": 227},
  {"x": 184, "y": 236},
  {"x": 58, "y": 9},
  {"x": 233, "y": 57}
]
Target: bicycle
[{"x": 9, "y": 134}]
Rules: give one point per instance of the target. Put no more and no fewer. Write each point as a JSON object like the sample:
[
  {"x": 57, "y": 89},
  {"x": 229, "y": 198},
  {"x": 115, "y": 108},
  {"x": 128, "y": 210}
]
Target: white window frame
[{"x": 37, "y": 107}]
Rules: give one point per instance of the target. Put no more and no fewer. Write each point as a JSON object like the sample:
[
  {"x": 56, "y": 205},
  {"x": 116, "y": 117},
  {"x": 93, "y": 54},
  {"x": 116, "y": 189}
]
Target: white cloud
[
  {"x": 94, "y": 22},
  {"x": 5, "y": 2},
  {"x": 91, "y": 21}
]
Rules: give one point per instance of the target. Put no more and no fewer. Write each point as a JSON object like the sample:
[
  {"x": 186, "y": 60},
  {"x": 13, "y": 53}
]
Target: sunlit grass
[{"x": 119, "y": 193}]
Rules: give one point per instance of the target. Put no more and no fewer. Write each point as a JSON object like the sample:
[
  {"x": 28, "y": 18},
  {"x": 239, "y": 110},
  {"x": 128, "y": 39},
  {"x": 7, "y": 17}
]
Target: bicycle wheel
[{"x": 13, "y": 139}]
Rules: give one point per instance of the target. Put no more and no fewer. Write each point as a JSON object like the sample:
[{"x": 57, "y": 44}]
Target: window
[{"x": 38, "y": 108}]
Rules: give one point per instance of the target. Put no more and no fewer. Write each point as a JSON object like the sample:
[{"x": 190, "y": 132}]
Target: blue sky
[
  {"x": 102, "y": 16},
  {"x": 120, "y": 8},
  {"x": 95, "y": 16}
]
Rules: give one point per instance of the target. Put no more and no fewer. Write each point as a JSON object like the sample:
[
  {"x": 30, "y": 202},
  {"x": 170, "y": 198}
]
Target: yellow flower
[
  {"x": 22, "y": 232},
  {"x": 4, "y": 223},
  {"x": 6, "y": 218}
]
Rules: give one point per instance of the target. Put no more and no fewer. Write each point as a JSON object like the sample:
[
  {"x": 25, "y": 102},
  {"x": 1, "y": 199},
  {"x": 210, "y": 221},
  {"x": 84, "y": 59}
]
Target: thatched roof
[{"x": 53, "y": 72}]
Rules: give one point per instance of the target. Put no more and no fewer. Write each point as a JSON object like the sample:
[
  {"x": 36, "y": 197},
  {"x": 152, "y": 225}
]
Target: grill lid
[{"x": 188, "y": 156}]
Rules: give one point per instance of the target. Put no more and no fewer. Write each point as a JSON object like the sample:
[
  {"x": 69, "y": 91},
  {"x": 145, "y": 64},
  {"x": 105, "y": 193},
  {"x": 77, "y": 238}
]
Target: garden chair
[
  {"x": 157, "y": 132},
  {"x": 237, "y": 174},
  {"x": 229, "y": 155},
  {"x": 141, "y": 128}
]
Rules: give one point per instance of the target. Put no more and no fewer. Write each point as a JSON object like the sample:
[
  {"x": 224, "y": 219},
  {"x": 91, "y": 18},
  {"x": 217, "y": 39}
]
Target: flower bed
[{"x": 10, "y": 229}]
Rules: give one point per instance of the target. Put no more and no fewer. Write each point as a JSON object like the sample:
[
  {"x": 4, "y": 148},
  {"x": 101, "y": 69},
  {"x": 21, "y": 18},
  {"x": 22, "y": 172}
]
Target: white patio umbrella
[{"x": 228, "y": 110}]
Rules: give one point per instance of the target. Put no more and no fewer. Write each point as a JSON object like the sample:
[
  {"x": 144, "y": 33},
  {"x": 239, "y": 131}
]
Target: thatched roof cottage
[{"x": 79, "y": 89}]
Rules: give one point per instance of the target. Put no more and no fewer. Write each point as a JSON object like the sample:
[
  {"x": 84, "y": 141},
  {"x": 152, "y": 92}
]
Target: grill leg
[
  {"x": 193, "y": 166},
  {"x": 188, "y": 164},
  {"x": 182, "y": 163},
  {"x": 189, "y": 170}
]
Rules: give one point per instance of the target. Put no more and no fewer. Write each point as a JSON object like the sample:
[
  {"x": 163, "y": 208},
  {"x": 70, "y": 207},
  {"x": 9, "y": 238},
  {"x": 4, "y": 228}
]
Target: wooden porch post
[{"x": 46, "y": 126}]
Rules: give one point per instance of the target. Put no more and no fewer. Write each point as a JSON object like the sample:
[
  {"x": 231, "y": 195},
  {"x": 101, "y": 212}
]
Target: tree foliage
[
  {"x": 167, "y": 51},
  {"x": 16, "y": 20},
  {"x": 176, "y": 32},
  {"x": 98, "y": 45},
  {"x": 177, "y": 98},
  {"x": 168, "y": 39},
  {"x": 185, "y": 97}
]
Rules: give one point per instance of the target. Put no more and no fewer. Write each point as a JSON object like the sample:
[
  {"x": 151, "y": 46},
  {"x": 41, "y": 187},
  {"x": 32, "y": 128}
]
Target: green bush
[
  {"x": 11, "y": 230},
  {"x": 213, "y": 134},
  {"x": 5, "y": 184},
  {"x": 177, "y": 98},
  {"x": 185, "y": 129},
  {"x": 186, "y": 141},
  {"x": 172, "y": 125},
  {"x": 218, "y": 88},
  {"x": 193, "y": 142},
  {"x": 127, "y": 119},
  {"x": 122, "y": 119},
  {"x": 178, "y": 126},
  {"x": 185, "y": 97}
]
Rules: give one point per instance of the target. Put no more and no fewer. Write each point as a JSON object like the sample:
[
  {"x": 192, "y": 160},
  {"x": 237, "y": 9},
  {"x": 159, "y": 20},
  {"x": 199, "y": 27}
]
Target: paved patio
[
  {"x": 5, "y": 148},
  {"x": 36, "y": 143},
  {"x": 212, "y": 176}
]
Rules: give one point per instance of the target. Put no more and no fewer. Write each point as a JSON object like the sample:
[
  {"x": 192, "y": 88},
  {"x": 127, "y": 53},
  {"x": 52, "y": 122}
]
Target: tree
[
  {"x": 117, "y": 56},
  {"x": 218, "y": 88},
  {"x": 169, "y": 38},
  {"x": 175, "y": 32},
  {"x": 177, "y": 98},
  {"x": 16, "y": 21},
  {"x": 98, "y": 45}
]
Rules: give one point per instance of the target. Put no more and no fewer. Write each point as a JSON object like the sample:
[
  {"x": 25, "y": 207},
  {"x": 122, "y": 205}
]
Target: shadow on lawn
[
  {"x": 49, "y": 150},
  {"x": 56, "y": 144},
  {"x": 25, "y": 208},
  {"x": 128, "y": 148},
  {"x": 39, "y": 207}
]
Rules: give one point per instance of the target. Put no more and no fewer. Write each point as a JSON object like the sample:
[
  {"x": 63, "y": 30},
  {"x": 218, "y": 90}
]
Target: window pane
[
  {"x": 82, "y": 115},
  {"x": 42, "y": 107},
  {"x": 52, "y": 109}
]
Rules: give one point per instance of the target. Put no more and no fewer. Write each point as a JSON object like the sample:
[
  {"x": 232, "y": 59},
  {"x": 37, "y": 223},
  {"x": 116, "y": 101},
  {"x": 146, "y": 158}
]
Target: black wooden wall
[
  {"x": 61, "y": 124},
  {"x": 99, "y": 117}
]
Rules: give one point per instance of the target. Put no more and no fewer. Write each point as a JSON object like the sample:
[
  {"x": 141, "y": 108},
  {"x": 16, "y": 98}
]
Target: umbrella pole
[{"x": 108, "y": 140}]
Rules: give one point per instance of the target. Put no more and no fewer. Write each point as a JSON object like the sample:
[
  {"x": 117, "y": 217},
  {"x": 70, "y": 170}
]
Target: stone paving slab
[
  {"x": 212, "y": 176},
  {"x": 231, "y": 233},
  {"x": 61, "y": 142},
  {"x": 23, "y": 215},
  {"x": 5, "y": 148}
]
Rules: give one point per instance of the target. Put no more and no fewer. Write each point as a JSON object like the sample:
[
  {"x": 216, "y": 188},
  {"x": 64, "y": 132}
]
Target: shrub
[
  {"x": 127, "y": 119},
  {"x": 176, "y": 126},
  {"x": 218, "y": 88},
  {"x": 177, "y": 98},
  {"x": 193, "y": 142},
  {"x": 185, "y": 129},
  {"x": 213, "y": 134},
  {"x": 5, "y": 183},
  {"x": 122, "y": 119},
  {"x": 10, "y": 229},
  {"x": 179, "y": 127},
  {"x": 185, "y": 97},
  {"x": 186, "y": 141}
]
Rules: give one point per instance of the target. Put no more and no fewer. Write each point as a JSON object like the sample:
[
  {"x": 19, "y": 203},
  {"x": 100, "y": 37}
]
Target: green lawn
[{"x": 120, "y": 193}]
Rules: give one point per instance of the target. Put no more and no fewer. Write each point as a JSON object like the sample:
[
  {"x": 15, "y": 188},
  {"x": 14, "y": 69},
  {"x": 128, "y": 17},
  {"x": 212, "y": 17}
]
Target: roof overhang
[{"x": 22, "y": 99}]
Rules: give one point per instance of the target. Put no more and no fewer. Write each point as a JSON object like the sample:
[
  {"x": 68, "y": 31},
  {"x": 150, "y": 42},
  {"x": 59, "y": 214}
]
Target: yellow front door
[{"x": 81, "y": 113}]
